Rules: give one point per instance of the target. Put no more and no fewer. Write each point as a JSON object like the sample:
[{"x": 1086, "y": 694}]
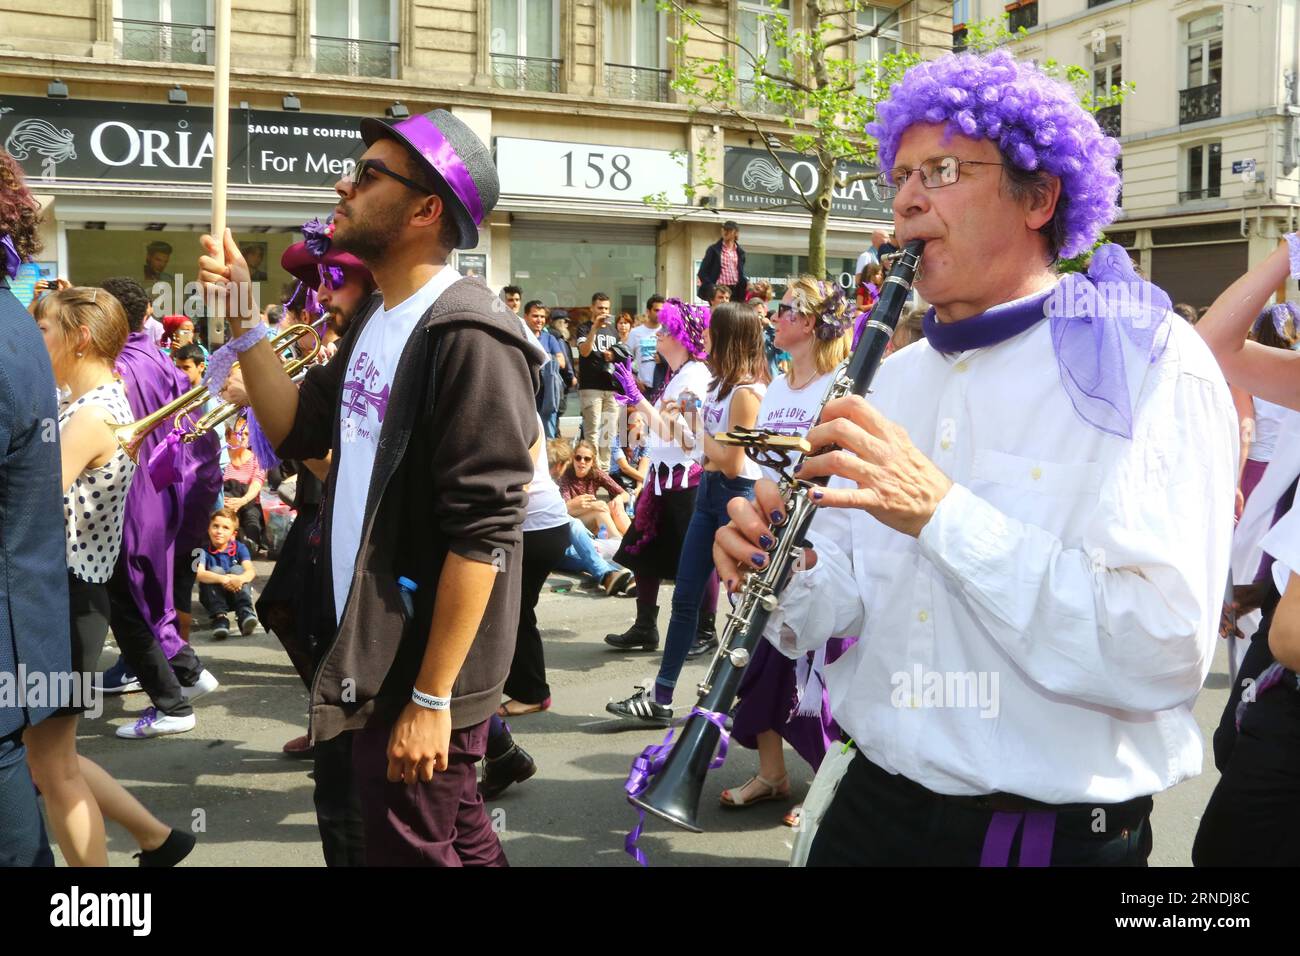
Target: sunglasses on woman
[{"x": 582, "y": 458}]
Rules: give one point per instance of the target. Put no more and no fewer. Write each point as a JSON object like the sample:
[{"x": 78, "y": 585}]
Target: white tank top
[
  {"x": 792, "y": 411},
  {"x": 546, "y": 508},
  {"x": 93, "y": 507},
  {"x": 690, "y": 384},
  {"x": 714, "y": 416}
]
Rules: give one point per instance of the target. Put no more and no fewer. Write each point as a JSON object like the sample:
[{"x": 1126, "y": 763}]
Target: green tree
[{"x": 802, "y": 90}]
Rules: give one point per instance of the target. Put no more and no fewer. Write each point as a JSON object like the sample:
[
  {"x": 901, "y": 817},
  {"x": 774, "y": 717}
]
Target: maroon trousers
[{"x": 439, "y": 823}]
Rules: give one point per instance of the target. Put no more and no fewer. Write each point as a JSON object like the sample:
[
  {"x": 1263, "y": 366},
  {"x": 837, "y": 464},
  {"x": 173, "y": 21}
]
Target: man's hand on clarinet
[
  {"x": 743, "y": 545},
  {"x": 230, "y": 279},
  {"x": 896, "y": 484}
]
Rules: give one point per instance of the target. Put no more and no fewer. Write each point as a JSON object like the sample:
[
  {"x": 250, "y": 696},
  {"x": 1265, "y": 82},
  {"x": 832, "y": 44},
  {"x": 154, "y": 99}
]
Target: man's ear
[
  {"x": 428, "y": 212},
  {"x": 1043, "y": 199}
]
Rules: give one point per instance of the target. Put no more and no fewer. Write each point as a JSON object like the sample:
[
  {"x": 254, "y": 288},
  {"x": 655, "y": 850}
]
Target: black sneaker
[
  {"x": 221, "y": 627},
  {"x": 642, "y": 706},
  {"x": 513, "y": 766},
  {"x": 704, "y": 644},
  {"x": 248, "y": 624}
]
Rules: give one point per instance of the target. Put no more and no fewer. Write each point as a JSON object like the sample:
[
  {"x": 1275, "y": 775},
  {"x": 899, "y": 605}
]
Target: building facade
[
  {"x": 1211, "y": 144},
  {"x": 107, "y": 105}
]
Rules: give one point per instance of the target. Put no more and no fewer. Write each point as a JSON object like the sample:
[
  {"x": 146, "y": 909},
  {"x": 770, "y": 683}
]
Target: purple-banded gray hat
[{"x": 449, "y": 149}]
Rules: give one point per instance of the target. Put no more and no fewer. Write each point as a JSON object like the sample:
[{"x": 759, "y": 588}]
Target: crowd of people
[{"x": 1036, "y": 501}]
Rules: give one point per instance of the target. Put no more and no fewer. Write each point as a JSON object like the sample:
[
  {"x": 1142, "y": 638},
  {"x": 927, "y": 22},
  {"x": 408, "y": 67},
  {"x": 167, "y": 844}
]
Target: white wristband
[{"x": 430, "y": 702}]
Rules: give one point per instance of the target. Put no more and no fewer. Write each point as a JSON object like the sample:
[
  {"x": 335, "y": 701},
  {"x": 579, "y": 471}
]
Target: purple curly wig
[
  {"x": 1036, "y": 122},
  {"x": 686, "y": 323}
]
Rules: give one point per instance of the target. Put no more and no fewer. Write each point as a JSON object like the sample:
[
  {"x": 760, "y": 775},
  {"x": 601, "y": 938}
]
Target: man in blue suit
[{"x": 33, "y": 565}]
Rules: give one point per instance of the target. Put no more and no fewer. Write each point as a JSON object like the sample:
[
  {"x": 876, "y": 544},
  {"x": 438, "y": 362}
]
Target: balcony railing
[
  {"x": 163, "y": 42},
  {"x": 340, "y": 56},
  {"x": 1199, "y": 103},
  {"x": 525, "y": 73},
  {"x": 1108, "y": 120},
  {"x": 1096, "y": 3},
  {"x": 754, "y": 101},
  {"x": 1209, "y": 192},
  {"x": 636, "y": 83},
  {"x": 1026, "y": 16}
]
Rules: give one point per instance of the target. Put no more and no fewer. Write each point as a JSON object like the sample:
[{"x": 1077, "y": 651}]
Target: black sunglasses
[{"x": 357, "y": 177}]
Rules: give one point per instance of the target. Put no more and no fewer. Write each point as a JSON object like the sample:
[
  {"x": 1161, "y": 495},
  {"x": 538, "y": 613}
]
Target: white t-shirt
[
  {"x": 714, "y": 418},
  {"x": 643, "y": 344},
  {"x": 1268, "y": 425},
  {"x": 366, "y": 386},
  {"x": 546, "y": 508},
  {"x": 691, "y": 379},
  {"x": 790, "y": 411}
]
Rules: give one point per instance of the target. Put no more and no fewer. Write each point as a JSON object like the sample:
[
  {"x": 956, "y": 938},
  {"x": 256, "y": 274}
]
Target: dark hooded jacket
[{"x": 449, "y": 476}]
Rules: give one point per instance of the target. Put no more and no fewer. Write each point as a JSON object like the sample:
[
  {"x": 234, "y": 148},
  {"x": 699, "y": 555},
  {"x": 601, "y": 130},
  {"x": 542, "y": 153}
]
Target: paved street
[{"x": 257, "y": 809}]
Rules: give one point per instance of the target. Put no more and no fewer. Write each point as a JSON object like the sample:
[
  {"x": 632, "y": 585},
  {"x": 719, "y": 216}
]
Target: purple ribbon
[
  {"x": 165, "y": 466},
  {"x": 261, "y": 445},
  {"x": 441, "y": 155},
  {"x": 12, "y": 259},
  {"x": 1092, "y": 316},
  {"x": 1035, "y": 841},
  {"x": 651, "y": 761}
]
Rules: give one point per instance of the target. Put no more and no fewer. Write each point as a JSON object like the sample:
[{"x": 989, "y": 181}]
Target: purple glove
[{"x": 626, "y": 381}]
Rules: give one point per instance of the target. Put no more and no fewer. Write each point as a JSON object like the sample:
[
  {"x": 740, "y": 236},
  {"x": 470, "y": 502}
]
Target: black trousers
[
  {"x": 160, "y": 678},
  {"x": 250, "y": 516},
  {"x": 216, "y": 600},
  {"x": 338, "y": 807},
  {"x": 882, "y": 819},
  {"x": 542, "y": 553}
]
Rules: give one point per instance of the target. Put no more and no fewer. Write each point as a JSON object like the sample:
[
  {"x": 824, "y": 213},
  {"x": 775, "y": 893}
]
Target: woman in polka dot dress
[{"x": 84, "y": 331}]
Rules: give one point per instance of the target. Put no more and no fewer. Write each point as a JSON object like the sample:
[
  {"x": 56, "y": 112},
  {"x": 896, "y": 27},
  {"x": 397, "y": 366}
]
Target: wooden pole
[{"x": 220, "y": 147}]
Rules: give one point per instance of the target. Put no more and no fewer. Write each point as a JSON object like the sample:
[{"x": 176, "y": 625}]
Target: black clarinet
[{"x": 674, "y": 793}]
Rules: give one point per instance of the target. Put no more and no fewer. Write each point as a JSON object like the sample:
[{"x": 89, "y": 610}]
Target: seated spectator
[
  {"x": 629, "y": 465},
  {"x": 579, "y": 483},
  {"x": 582, "y": 557},
  {"x": 226, "y": 576},
  {"x": 242, "y": 484}
]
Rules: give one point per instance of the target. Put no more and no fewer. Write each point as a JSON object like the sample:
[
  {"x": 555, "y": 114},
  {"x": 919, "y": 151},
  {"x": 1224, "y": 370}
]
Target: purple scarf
[{"x": 1095, "y": 319}]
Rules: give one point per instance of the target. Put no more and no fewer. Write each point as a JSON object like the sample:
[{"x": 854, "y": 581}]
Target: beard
[{"x": 370, "y": 239}]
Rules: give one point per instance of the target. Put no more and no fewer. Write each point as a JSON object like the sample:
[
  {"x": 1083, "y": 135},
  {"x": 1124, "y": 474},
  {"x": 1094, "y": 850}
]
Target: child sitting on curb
[{"x": 225, "y": 577}]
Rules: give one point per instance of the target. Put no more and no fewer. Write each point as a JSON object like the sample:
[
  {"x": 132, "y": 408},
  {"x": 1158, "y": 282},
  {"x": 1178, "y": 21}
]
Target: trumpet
[
  {"x": 674, "y": 792},
  {"x": 131, "y": 435}
]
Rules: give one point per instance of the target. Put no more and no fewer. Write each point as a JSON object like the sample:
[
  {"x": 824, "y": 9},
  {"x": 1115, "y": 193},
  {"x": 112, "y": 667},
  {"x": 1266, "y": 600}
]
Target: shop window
[
  {"x": 756, "y": 32},
  {"x": 636, "y": 57},
  {"x": 871, "y": 50},
  {"x": 524, "y": 44},
  {"x": 1204, "y": 166},
  {"x": 1203, "y": 57},
  {"x": 163, "y": 31},
  {"x": 1107, "y": 77},
  {"x": 355, "y": 37},
  {"x": 960, "y": 13}
]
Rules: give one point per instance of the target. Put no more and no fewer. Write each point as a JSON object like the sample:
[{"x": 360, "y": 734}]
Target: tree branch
[{"x": 762, "y": 137}]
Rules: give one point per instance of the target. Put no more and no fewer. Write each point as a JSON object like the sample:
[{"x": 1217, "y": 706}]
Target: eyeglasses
[
  {"x": 330, "y": 276},
  {"x": 935, "y": 173},
  {"x": 358, "y": 176}
]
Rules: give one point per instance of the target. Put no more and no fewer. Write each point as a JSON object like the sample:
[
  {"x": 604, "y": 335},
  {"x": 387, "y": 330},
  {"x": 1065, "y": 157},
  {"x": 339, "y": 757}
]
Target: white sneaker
[
  {"x": 154, "y": 724},
  {"x": 206, "y": 684}
]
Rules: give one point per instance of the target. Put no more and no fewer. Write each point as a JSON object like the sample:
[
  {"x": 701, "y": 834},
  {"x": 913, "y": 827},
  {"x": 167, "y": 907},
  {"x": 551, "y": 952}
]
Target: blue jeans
[
  {"x": 22, "y": 834},
  {"x": 581, "y": 557},
  {"x": 695, "y": 566}
]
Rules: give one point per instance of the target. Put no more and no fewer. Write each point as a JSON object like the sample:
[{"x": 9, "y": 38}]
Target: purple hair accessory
[
  {"x": 1035, "y": 121},
  {"x": 686, "y": 323},
  {"x": 12, "y": 259},
  {"x": 317, "y": 236},
  {"x": 1278, "y": 315}
]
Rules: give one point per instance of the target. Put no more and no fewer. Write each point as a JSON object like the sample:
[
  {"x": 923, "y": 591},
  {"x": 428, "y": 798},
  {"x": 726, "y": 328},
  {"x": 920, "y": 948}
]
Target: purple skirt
[{"x": 769, "y": 699}]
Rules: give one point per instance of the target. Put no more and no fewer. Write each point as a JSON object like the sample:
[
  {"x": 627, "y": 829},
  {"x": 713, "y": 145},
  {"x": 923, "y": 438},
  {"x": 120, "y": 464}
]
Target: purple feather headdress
[
  {"x": 1036, "y": 122},
  {"x": 317, "y": 236},
  {"x": 686, "y": 323},
  {"x": 1278, "y": 315}
]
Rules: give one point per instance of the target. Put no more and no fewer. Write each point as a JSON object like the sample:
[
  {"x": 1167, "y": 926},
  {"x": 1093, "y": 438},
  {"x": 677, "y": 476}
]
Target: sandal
[
  {"x": 513, "y": 708},
  {"x": 771, "y": 790}
]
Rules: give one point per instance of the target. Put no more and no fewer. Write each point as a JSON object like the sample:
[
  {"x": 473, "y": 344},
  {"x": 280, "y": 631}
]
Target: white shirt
[
  {"x": 715, "y": 417},
  {"x": 692, "y": 379},
  {"x": 1269, "y": 418},
  {"x": 94, "y": 505},
  {"x": 643, "y": 343},
  {"x": 791, "y": 411},
  {"x": 546, "y": 508},
  {"x": 1283, "y": 543},
  {"x": 366, "y": 386},
  {"x": 1069, "y": 584}
]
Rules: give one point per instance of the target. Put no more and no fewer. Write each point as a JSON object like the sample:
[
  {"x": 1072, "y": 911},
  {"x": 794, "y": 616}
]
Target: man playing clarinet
[{"x": 1028, "y": 522}]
